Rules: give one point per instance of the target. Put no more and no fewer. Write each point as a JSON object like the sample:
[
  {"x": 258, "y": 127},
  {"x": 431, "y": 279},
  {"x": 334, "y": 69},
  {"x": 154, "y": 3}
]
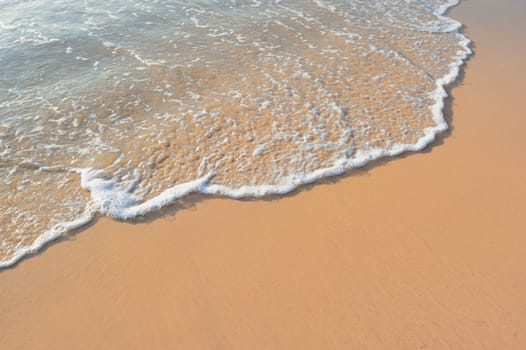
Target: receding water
[{"x": 120, "y": 107}]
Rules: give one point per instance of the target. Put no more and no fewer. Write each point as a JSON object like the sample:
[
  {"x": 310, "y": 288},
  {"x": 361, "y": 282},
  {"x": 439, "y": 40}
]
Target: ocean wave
[{"x": 121, "y": 109}]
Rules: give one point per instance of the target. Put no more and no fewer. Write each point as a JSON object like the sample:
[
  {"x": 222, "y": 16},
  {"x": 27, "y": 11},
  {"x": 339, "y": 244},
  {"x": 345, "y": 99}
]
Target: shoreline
[
  {"x": 423, "y": 249},
  {"x": 90, "y": 182},
  {"x": 200, "y": 187}
]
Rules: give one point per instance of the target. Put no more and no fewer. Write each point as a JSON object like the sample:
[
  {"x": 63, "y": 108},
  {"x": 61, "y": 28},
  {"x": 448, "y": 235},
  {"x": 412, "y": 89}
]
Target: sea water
[{"x": 120, "y": 107}]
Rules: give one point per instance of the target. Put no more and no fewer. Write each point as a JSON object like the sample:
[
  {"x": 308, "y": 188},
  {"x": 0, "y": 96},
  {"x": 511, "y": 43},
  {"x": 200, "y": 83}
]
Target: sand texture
[{"x": 425, "y": 251}]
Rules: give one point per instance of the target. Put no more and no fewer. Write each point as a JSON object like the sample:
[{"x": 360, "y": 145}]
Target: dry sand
[{"x": 424, "y": 251}]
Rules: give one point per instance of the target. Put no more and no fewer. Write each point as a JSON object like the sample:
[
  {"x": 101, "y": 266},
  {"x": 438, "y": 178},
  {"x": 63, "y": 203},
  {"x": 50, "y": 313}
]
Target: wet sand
[{"x": 423, "y": 251}]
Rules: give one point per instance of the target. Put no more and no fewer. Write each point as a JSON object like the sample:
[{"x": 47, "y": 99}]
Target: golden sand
[{"x": 423, "y": 251}]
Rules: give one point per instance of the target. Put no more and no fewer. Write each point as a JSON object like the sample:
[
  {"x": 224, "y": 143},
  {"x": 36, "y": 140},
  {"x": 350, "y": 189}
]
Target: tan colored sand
[{"x": 425, "y": 251}]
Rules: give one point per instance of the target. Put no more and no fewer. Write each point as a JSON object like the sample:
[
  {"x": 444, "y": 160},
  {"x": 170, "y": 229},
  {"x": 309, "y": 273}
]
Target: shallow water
[{"x": 121, "y": 107}]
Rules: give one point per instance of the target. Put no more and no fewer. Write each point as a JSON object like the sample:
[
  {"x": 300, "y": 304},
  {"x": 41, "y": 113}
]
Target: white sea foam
[
  {"x": 50, "y": 235},
  {"x": 111, "y": 198}
]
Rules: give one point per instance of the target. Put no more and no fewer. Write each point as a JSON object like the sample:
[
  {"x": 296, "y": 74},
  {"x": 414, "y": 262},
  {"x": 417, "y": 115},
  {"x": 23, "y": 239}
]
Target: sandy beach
[{"x": 423, "y": 251}]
